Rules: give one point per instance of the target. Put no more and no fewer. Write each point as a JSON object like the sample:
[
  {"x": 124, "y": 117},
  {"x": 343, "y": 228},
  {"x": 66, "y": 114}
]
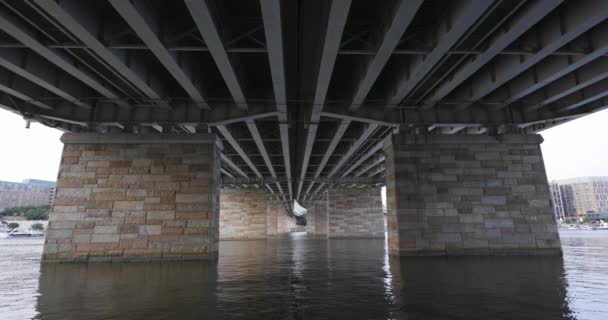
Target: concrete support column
[
  {"x": 468, "y": 195},
  {"x": 354, "y": 213},
  {"x": 135, "y": 197}
]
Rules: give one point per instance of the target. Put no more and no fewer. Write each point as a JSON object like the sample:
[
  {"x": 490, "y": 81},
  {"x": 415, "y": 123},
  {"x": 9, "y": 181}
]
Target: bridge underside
[{"x": 302, "y": 95}]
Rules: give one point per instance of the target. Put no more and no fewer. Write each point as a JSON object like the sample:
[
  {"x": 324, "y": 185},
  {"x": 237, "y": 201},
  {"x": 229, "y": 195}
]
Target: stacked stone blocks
[
  {"x": 468, "y": 194},
  {"x": 133, "y": 197},
  {"x": 243, "y": 214},
  {"x": 354, "y": 213}
]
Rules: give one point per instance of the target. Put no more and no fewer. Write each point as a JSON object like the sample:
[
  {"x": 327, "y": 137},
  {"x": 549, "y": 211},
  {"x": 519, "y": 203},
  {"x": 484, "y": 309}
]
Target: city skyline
[{"x": 570, "y": 150}]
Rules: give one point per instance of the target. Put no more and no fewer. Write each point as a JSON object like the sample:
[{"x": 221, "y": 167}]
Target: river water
[{"x": 297, "y": 277}]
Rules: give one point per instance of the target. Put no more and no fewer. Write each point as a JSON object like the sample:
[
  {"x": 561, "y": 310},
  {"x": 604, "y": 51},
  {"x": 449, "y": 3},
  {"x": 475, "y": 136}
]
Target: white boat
[
  {"x": 601, "y": 226},
  {"x": 27, "y": 233}
]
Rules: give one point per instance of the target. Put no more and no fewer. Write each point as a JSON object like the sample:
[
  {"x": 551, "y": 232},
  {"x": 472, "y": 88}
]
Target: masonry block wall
[
  {"x": 286, "y": 222},
  {"x": 133, "y": 197},
  {"x": 310, "y": 220},
  {"x": 316, "y": 221},
  {"x": 243, "y": 213},
  {"x": 468, "y": 194},
  {"x": 273, "y": 210},
  {"x": 355, "y": 213}
]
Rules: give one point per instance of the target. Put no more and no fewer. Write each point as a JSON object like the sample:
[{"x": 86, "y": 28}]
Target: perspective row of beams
[{"x": 547, "y": 77}]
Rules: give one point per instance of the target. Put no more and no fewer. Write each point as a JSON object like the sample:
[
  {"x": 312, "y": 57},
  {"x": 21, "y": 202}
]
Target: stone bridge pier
[
  {"x": 468, "y": 195},
  {"x": 250, "y": 214},
  {"x": 130, "y": 197},
  {"x": 347, "y": 213}
]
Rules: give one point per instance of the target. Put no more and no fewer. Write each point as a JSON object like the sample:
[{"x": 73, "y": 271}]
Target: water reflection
[{"x": 301, "y": 278}]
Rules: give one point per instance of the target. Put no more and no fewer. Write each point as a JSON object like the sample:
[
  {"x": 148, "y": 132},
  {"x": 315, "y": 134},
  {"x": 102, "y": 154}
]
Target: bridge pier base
[
  {"x": 316, "y": 221},
  {"x": 135, "y": 197},
  {"x": 354, "y": 213},
  {"x": 250, "y": 214},
  {"x": 468, "y": 195}
]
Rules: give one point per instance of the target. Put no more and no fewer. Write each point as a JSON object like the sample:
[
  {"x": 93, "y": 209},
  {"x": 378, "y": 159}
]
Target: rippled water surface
[{"x": 296, "y": 277}]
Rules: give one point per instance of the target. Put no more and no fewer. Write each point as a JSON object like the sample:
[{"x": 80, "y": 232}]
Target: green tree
[
  {"x": 37, "y": 226},
  {"x": 13, "y": 225},
  {"x": 37, "y": 213}
]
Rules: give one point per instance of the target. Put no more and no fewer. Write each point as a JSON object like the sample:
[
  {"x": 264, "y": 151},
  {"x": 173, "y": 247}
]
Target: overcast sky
[{"x": 577, "y": 148}]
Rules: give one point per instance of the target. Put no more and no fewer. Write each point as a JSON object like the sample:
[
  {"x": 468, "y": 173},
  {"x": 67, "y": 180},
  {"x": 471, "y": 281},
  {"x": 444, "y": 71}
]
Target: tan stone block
[
  {"x": 108, "y": 237},
  {"x": 121, "y": 163},
  {"x": 150, "y": 229},
  {"x": 136, "y": 194},
  {"x": 109, "y": 195},
  {"x": 65, "y": 201},
  {"x": 105, "y": 229},
  {"x": 139, "y": 170},
  {"x": 99, "y": 204},
  {"x": 128, "y": 228},
  {"x": 161, "y": 215},
  {"x": 98, "y": 163},
  {"x": 128, "y": 205},
  {"x": 85, "y": 224},
  {"x": 159, "y": 206},
  {"x": 97, "y": 213},
  {"x": 61, "y": 225},
  {"x": 172, "y": 230},
  {"x": 141, "y": 163},
  {"x": 133, "y": 244},
  {"x": 66, "y": 216},
  {"x": 55, "y": 234},
  {"x": 192, "y": 215},
  {"x": 81, "y": 238},
  {"x": 198, "y": 223},
  {"x": 197, "y": 231}
]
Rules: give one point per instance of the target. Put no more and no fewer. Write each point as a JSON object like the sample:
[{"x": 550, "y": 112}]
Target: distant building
[
  {"x": 563, "y": 201},
  {"x": 586, "y": 196},
  {"x": 30, "y": 192}
]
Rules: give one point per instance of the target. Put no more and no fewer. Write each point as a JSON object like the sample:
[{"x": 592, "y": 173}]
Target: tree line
[{"x": 29, "y": 212}]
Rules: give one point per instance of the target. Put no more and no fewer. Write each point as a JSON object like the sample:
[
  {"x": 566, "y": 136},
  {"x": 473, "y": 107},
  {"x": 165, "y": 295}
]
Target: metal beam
[
  {"x": 373, "y": 150},
  {"x": 333, "y": 34},
  {"x": 354, "y": 147},
  {"x": 584, "y": 77},
  {"x": 374, "y": 173},
  {"x": 222, "y": 170},
  {"x": 244, "y": 118},
  {"x": 260, "y": 143},
  {"x": 522, "y": 21},
  {"x": 83, "y": 23},
  {"x": 553, "y": 69},
  {"x": 16, "y": 29},
  {"x": 587, "y": 95},
  {"x": 271, "y": 14},
  {"x": 557, "y": 30},
  {"x": 233, "y": 165},
  {"x": 268, "y": 180},
  {"x": 330, "y": 149},
  {"x": 207, "y": 27},
  {"x": 402, "y": 17},
  {"x": 147, "y": 26},
  {"x": 370, "y": 166},
  {"x": 235, "y": 145},
  {"x": 42, "y": 73},
  {"x": 12, "y": 85},
  {"x": 459, "y": 20}
]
